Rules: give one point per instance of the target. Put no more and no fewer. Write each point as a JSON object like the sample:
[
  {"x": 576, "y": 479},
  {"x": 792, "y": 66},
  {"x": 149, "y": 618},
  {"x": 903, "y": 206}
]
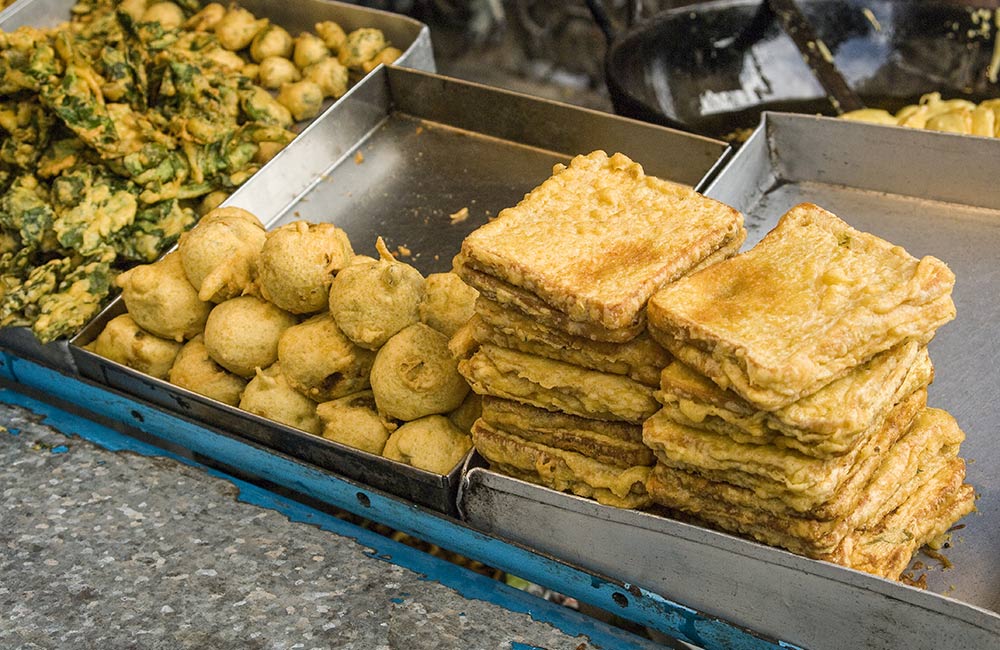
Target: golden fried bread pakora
[
  {"x": 372, "y": 301},
  {"x": 320, "y": 362},
  {"x": 431, "y": 443},
  {"x": 597, "y": 239},
  {"x": 812, "y": 300},
  {"x": 195, "y": 370},
  {"x": 297, "y": 264},
  {"x": 415, "y": 375},
  {"x": 269, "y": 395},
  {"x": 220, "y": 255},
  {"x": 824, "y": 424},
  {"x": 124, "y": 342},
  {"x": 354, "y": 421},
  {"x": 555, "y": 385},
  {"x": 562, "y": 470},
  {"x": 448, "y": 302},
  {"x": 242, "y": 334},
  {"x": 160, "y": 299}
]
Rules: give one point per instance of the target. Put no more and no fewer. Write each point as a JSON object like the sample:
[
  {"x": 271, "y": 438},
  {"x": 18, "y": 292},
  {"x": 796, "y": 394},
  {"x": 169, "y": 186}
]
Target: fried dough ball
[
  {"x": 361, "y": 45},
  {"x": 330, "y": 75},
  {"x": 236, "y": 29},
  {"x": 169, "y": 15},
  {"x": 309, "y": 49},
  {"x": 195, "y": 370},
  {"x": 273, "y": 40},
  {"x": 415, "y": 375},
  {"x": 298, "y": 262},
  {"x": 134, "y": 8},
  {"x": 303, "y": 99},
  {"x": 228, "y": 61},
  {"x": 126, "y": 343},
  {"x": 431, "y": 443},
  {"x": 353, "y": 421},
  {"x": 386, "y": 56},
  {"x": 372, "y": 301},
  {"x": 332, "y": 34},
  {"x": 449, "y": 303},
  {"x": 220, "y": 254},
  {"x": 206, "y": 19},
  {"x": 468, "y": 412},
  {"x": 322, "y": 363},
  {"x": 275, "y": 71},
  {"x": 242, "y": 334},
  {"x": 269, "y": 395},
  {"x": 160, "y": 299},
  {"x": 261, "y": 106}
]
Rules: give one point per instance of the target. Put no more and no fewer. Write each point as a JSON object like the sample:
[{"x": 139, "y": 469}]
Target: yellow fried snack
[
  {"x": 220, "y": 254},
  {"x": 371, "y": 301},
  {"x": 320, "y": 362},
  {"x": 812, "y": 300},
  {"x": 242, "y": 334},
  {"x": 195, "y": 370},
  {"x": 297, "y": 264},
  {"x": 448, "y": 304},
  {"x": 160, "y": 299},
  {"x": 269, "y": 395},
  {"x": 467, "y": 412},
  {"x": 360, "y": 46},
  {"x": 126, "y": 343},
  {"x": 353, "y": 421},
  {"x": 430, "y": 443},
  {"x": 415, "y": 375}
]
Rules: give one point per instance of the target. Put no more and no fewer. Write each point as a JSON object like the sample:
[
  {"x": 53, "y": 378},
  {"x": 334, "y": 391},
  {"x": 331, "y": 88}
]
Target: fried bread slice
[
  {"x": 827, "y": 423},
  {"x": 556, "y": 385},
  {"x": 801, "y": 482},
  {"x": 612, "y": 443},
  {"x": 641, "y": 359},
  {"x": 931, "y": 444},
  {"x": 596, "y": 239},
  {"x": 561, "y": 470},
  {"x": 812, "y": 300}
]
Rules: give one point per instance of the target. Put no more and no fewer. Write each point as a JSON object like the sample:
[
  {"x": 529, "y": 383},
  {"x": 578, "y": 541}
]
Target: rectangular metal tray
[
  {"x": 409, "y": 35},
  {"x": 399, "y": 154},
  {"x": 933, "y": 194}
]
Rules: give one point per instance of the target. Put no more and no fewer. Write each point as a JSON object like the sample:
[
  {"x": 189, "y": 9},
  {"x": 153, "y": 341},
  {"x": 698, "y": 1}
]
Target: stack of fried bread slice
[
  {"x": 795, "y": 410},
  {"x": 558, "y": 345}
]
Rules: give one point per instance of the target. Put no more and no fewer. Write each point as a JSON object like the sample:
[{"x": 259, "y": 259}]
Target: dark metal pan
[{"x": 713, "y": 67}]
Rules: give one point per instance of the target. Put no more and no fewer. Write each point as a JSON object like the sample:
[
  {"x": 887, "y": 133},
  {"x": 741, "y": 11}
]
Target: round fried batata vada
[
  {"x": 468, "y": 412},
  {"x": 242, "y": 334},
  {"x": 448, "y": 304},
  {"x": 431, "y": 443},
  {"x": 322, "y": 363},
  {"x": 195, "y": 370},
  {"x": 269, "y": 395},
  {"x": 160, "y": 299},
  {"x": 297, "y": 264},
  {"x": 415, "y": 375},
  {"x": 220, "y": 253},
  {"x": 124, "y": 342},
  {"x": 371, "y": 301},
  {"x": 353, "y": 421}
]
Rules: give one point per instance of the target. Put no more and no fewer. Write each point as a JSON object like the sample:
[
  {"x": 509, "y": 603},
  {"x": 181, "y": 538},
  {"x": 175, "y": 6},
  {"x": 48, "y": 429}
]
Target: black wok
[{"x": 707, "y": 68}]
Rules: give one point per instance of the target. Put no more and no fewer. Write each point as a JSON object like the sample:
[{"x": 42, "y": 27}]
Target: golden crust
[
  {"x": 813, "y": 299},
  {"x": 556, "y": 386},
  {"x": 561, "y": 470},
  {"x": 597, "y": 238}
]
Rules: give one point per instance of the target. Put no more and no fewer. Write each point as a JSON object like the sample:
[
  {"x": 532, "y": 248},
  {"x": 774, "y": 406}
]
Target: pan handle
[{"x": 602, "y": 19}]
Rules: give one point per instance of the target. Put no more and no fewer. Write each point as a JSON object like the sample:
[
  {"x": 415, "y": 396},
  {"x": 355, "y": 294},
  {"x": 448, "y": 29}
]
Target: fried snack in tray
[
  {"x": 560, "y": 469},
  {"x": 640, "y": 359},
  {"x": 827, "y": 423},
  {"x": 126, "y": 343},
  {"x": 585, "y": 250},
  {"x": 448, "y": 303},
  {"x": 354, "y": 421},
  {"x": 160, "y": 299},
  {"x": 415, "y": 375},
  {"x": 242, "y": 334},
  {"x": 928, "y": 448},
  {"x": 937, "y": 114},
  {"x": 269, "y": 395},
  {"x": 812, "y": 300},
  {"x": 220, "y": 256},
  {"x": 467, "y": 412},
  {"x": 431, "y": 443},
  {"x": 195, "y": 370},
  {"x": 373, "y": 300},
  {"x": 298, "y": 262},
  {"x": 320, "y": 362}
]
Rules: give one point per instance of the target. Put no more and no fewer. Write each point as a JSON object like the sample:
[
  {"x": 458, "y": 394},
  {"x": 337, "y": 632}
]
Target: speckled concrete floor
[{"x": 116, "y": 550}]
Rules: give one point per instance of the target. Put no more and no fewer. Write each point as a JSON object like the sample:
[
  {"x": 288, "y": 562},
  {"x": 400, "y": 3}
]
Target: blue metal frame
[{"x": 628, "y": 601}]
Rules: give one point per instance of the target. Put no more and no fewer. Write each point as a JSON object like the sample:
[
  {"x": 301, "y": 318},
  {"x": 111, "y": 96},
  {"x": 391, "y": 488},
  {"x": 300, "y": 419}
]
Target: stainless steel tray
[
  {"x": 409, "y": 35},
  {"x": 429, "y": 146},
  {"x": 933, "y": 194}
]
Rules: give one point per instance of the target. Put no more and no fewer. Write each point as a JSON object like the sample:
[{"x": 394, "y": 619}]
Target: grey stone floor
[{"x": 110, "y": 550}]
